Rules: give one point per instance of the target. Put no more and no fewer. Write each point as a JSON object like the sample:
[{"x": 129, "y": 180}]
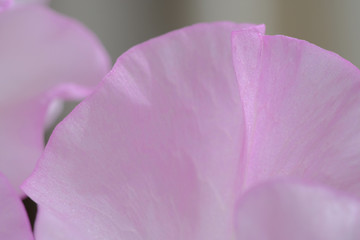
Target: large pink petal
[
  {"x": 302, "y": 110},
  {"x": 282, "y": 211},
  {"x": 44, "y": 57},
  {"x": 14, "y": 223},
  {"x": 154, "y": 153}
]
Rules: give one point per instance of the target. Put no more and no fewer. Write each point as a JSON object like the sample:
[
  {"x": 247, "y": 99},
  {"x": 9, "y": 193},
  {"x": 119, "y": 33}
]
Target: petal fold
[{"x": 301, "y": 106}]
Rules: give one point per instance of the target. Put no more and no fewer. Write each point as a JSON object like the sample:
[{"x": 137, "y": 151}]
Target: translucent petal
[
  {"x": 301, "y": 106},
  {"x": 154, "y": 152},
  {"x": 283, "y": 210}
]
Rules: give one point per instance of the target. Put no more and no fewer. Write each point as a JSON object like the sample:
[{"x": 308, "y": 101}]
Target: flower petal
[
  {"x": 281, "y": 211},
  {"x": 153, "y": 154},
  {"x": 302, "y": 111},
  {"x": 49, "y": 226},
  {"x": 14, "y": 223},
  {"x": 5, "y": 4},
  {"x": 44, "y": 56}
]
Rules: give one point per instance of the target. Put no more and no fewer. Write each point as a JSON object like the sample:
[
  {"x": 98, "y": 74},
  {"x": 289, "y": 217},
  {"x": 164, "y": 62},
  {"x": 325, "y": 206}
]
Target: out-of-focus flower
[
  {"x": 14, "y": 224},
  {"x": 168, "y": 145},
  {"x": 45, "y": 58}
]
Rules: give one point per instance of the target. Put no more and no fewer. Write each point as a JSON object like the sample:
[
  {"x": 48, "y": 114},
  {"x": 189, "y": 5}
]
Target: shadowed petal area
[
  {"x": 154, "y": 152},
  {"x": 302, "y": 111},
  {"x": 14, "y": 223},
  {"x": 44, "y": 57},
  {"x": 282, "y": 211}
]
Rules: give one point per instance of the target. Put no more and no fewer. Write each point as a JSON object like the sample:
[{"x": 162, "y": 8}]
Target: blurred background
[{"x": 120, "y": 24}]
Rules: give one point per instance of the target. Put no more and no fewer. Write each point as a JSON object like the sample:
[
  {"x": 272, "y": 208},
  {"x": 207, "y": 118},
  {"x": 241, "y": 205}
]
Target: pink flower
[
  {"x": 168, "y": 147},
  {"x": 45, "y": 58}
]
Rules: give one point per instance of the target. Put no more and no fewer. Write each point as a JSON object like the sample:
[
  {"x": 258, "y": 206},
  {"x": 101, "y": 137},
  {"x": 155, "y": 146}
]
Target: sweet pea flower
[
  {"x": 215, "y": 131},
  {"x": 45, "y": 58}
]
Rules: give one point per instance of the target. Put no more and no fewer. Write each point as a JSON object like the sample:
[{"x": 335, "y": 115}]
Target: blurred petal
[
  {"x": 44, "y": 56},
  {"x": 5, "y": 4},
  {"x": 302, "y": 111},
  {"x": 154, "y": 153},
  {"x": 14, "y": 223},
  {"x": 282, "y": 211}
]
